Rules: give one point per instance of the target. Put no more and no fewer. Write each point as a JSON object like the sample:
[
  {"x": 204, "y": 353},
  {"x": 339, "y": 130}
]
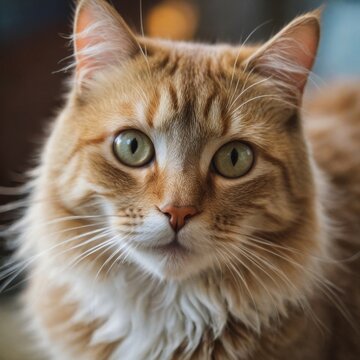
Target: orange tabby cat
[{"x": 177, "y": 212}]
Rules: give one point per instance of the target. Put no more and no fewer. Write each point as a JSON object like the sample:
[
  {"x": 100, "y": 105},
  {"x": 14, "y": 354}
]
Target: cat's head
[{"x": 192, "y": 153}]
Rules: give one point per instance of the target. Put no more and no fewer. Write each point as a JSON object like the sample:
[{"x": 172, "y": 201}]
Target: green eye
[
  {"x": 133, "y": 148},
  {"x": 233, "y": 159}
]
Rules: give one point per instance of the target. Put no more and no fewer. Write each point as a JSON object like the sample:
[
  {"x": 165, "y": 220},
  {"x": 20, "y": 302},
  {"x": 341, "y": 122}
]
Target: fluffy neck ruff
[{"x": 150, "y": 319}]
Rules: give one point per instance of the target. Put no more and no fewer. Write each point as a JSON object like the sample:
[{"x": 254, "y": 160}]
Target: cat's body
[{"x": 252, "y": 276}]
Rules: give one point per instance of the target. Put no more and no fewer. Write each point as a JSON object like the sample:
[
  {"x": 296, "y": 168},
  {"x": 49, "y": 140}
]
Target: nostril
[
  {"x": 164, "y": 211},
  {"x": 187, "y": 217}
]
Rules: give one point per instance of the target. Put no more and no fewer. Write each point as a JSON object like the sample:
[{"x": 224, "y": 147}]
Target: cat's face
[{"x": 192, "y": 159}]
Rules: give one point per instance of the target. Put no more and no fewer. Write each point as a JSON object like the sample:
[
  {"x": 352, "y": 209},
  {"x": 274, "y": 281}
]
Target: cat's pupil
[
  {"x": 234, "y": 156},
  {"x": 133, "y": 145}
]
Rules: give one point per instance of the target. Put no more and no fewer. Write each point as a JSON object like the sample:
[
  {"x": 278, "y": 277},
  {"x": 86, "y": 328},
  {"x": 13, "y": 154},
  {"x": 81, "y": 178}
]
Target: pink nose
[{"x": 178, "y": 215}]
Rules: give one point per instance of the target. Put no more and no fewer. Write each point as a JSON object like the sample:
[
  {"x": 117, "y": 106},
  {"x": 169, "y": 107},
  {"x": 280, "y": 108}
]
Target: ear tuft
[
  {"x": 288, "y": 57},
  {"x": 101, "y": 38}
]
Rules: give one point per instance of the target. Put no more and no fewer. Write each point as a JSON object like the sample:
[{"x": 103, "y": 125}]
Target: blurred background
[{"x": 33, "y": 44}]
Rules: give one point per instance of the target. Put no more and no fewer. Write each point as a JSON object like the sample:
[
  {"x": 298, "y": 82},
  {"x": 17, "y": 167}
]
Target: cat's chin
[{"x": 171, "y": 261}]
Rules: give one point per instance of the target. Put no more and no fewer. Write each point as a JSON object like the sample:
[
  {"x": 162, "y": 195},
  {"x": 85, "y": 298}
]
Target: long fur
[{"x": 258, "y": 278}]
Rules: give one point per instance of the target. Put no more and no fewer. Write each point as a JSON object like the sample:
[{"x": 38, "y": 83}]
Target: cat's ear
[
  {"x": 101, "y": 38},
  {"x": 288, "y": 57}
]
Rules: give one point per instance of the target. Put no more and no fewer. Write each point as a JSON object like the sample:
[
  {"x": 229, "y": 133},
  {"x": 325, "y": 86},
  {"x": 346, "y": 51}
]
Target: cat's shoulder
[{"x": 332, "y": 123}]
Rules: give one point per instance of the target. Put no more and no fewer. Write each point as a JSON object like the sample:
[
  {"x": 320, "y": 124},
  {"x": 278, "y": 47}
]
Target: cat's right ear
[
  {"x": 101, "y": 38},
  {"x": 288, "y": 57}
]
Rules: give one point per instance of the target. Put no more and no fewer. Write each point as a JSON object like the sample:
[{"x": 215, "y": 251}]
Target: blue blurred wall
[
  {"x": 21, "y": 17},
  {"x": 339, "y": 52}
]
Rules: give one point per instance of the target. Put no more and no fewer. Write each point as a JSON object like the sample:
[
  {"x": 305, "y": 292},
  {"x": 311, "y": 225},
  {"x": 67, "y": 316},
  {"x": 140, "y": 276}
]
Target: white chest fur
[{"x": 151, "y": 318}]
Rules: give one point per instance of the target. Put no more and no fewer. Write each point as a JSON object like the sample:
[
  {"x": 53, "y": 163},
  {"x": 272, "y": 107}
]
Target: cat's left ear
[
  {"x": 288, "y": 57},
  {"x": 101, "y": 38}
]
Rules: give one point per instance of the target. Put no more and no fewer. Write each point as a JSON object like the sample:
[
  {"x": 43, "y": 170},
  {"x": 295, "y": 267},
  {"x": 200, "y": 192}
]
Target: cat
[{"x": 181, "y": 209}]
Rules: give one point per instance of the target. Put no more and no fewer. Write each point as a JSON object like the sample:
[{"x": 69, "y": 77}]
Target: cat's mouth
[
  {"x": 172, "y": 248},
  {"x": 175, "y": 258}
]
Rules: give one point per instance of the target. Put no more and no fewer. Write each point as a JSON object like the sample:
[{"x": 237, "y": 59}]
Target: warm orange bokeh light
[{"x": 176, "y": 20}]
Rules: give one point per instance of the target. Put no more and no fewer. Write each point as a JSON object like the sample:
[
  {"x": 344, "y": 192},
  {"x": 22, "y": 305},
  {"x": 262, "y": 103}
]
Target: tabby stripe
[
  {"x": 211, "y": 74},
  {"x": 225, "y": 118},
  {"x": 152, "y": 108},
  {"x": 288, "y": 234},
  {"x": 86, "y": 142},
  {"x": 252, "y": 189},
  {"x": 174, "y": 97},
  {"x": 208, "y": 69},
  {"x": 173, "y": 68},
  {"x": 163, "y": 62},
  {"x": 275, "y": 219},
  {"x": 285, "y": 173},
  {"x": 209, "y": 102},
  {"x": 109, "y": 174},
  {"x": 223, "y": 102}
]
